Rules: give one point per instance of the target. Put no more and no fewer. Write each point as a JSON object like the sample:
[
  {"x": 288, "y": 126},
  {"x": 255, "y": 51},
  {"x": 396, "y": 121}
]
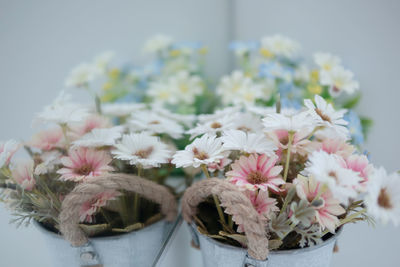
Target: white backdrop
[{"x": 40, "y": 41}]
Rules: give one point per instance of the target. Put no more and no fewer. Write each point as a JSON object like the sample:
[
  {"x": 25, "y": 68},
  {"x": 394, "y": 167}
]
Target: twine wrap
[
  {"x": 69, "y": 216},
  {"x": 235, "y": 203}
]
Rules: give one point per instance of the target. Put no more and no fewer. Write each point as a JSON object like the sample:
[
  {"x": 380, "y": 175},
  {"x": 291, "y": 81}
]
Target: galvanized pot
[
  {"x": 137, "y": 248},
  {"x": 215, "y": 253},
  {"x": 257, "y": 253}
]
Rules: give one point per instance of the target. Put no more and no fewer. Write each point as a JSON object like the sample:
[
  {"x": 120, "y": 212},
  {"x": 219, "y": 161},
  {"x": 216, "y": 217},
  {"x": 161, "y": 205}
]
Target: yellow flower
[
  {"x": 266, "y": 53},
  {"x": 107, "y": 86},
  {"x": 314, "y": 76},
  {"x": 315, "y": 89},
  {"x": 114, "y": 73},
  {"x": 203, "y": 50},
  {"x": 107, "y": 98},
  {"x": 174, "y": 53}
]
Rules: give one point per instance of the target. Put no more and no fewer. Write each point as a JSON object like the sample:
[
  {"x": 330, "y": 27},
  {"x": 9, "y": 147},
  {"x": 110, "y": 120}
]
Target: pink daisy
[
  {"x": 23, "y": 175},
  {"x": 262, "y": 203},
  {"x": 219, "y": 165},
  {"x": 7, "y": 151},
  {"x": 327, "y": 210},
  {"x": 48, "y": 139},
  {"x": 337, "y": 146},
  {"x": 256, "y": 172},
  {"x": 360, "y": 164},
  {"x": 299, "y": 143},
  {"x": 91, "y": 122},
  {"x": 84, "y": 163},
  {"x": 89, "y": 208}
]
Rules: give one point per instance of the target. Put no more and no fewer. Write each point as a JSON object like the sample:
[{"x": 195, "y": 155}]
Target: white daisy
[
  {"x": 247, "y": 142},
  {"x": 218, "y": 114},
  {"x": 7, "y": 150},
  {"x": 326, "y": 61},
  {"x": 157, "y": 43},
  {"x": 185, "y": 119},
  {"x": 339, "y": 80},
  {"x": 101, "y": 61},
  {"x": 154, "y": 123},
  {"x": 62, "y": 111},
  {"x": 212, "y": 127},
  {"x": 48, "y": 161},
  {"x": 100, "y": 137},
  {"x": 261, "y": 111},
  {"x": 280, "y": 45},
  {"x": 202, "y": 151},
  {"x": 121, "y": 109},
  {"x": 142, "y": 149},
  {"x": 247, "y": 122},
  {"x": 185, "y": 86},
  {"x": 231, "y": 86},
  {"x": 161, "y": 93},
  {"x": 325, "y": 115},
  {"x": 327, "y": 169},
  {"x": 82, "y": 75},
  {"x": 383, "y": 196},
  {"x": 292, "y": 123}
]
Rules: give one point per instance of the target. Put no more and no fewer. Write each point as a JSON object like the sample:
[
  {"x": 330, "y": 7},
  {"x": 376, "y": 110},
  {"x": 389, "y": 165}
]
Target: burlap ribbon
[
  {"x": 235, "y": 203},
  {"x": 69, "y": 216}
]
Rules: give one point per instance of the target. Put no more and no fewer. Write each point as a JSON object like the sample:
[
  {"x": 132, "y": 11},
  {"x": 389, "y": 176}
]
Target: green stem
[
  {"x": 287, "y": 163},
  {"x": 220, "y": 213},
  {"x": 347, "y": 219}
]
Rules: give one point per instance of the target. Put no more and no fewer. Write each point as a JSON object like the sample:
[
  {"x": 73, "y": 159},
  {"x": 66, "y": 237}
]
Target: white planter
[
  {"x": 137, "y": 248},
  {"x": 218, "y": 254}
]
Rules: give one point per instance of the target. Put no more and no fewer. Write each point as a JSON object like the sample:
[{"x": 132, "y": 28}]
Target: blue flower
[
  {"x": 242, "y": 46},
  {"x": 291, "y": 95},
  {"x": 354, "y": 127},
  {"x": 274, "y": 69}
]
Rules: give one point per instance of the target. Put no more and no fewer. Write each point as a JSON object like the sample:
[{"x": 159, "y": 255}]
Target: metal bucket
[
  {"x": 215, "y": 253},
  {"x": 137, "y": 248}
]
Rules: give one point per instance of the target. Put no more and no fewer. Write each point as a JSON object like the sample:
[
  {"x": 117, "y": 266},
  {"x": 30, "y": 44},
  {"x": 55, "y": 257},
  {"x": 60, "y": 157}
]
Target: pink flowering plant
[
  {"x": 297, "y": 167},
  {"x": 79, "y": 144}
]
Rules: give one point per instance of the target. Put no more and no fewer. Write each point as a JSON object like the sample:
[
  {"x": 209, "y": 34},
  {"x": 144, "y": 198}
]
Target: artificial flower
[
  {"x": 325, "y": 115},
  {"x": 121, "y": 109},
  {"x": 62, "y": 111},
  {"x": 328, "y": 169},
  {"x": 278, "y": 45},
  {"x": 91, "y": 207},
  {"x": 216, "y": 126},
  {"x": 328, "y": 209},
  {"x": 256, "y": 172},
  {"x": 202, "y": 151},
  {"x": 247, "y": 122},
  {"x": 48, "y": 139},
  {"x": 91, "y": 122},
  {"x": 247, "y": 142},
  {"x": 383, "y": 196},
  {"x": 84, "y": 164},
  {"x": 157, "y": 44},
  {"x": 339, "y": 80},
  {"x": 292, "y": 123},
  {"x": 7, "y": 151},
  {"x": 100, "y": 137},
  {"x": 154, "y": 123},
  {"x": 47, "y": 162},
  {"x": 142, "y": 149},
  {"x": 82, "y": 75},
  {"x": 326, "y": 61},
  {"x": 23, "y": 174}
]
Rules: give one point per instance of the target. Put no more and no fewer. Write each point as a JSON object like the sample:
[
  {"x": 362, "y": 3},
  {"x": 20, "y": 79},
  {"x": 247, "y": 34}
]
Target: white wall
[{"x": 40, "y": 41}]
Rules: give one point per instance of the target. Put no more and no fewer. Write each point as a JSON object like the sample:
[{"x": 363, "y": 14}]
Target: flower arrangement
[
  {"x": 80, "y": 144},
  {"x": 273, "y": 66},
  {"x": 297, "y": 168}
]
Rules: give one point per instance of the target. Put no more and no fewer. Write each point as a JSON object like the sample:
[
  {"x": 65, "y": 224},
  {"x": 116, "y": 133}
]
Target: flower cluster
[
  {"x": 78, "y": 144},
  {"x": 297, "y": 168}
]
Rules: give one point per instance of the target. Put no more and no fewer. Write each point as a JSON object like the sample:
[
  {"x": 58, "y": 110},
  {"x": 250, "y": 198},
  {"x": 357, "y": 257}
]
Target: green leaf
[
  {"x": 366, "y": 124},
  {"x": 351, "y": 103}
]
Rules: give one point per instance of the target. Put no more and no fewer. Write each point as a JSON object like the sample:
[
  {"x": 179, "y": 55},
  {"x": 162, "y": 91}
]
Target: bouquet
[
  {"x": 274, "y": 67},
  {"x": 297, "y": 168},
  {"x": 78, "y": 145}
]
